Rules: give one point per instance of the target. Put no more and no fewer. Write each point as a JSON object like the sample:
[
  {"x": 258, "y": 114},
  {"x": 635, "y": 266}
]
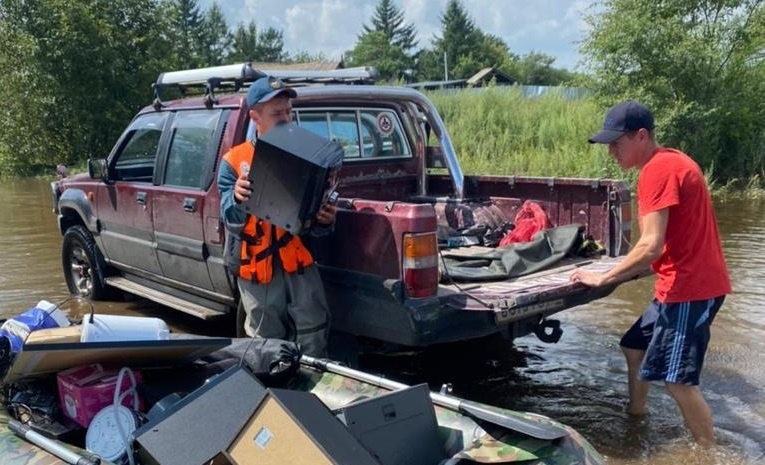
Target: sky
[{"x": 552, "y": 27}]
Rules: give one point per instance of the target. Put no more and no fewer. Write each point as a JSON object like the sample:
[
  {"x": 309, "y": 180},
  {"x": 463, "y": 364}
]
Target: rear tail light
[{"x": 420, "y": 262}]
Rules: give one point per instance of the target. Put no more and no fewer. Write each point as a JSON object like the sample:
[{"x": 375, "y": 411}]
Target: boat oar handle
[
  {"x": 50, "y": 445},
  {"x": 540, "y": 429}
]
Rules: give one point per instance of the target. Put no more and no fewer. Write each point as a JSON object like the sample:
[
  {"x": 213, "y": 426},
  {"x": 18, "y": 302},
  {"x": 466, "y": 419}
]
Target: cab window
[
  {"x": 363, "y": 133},
  {"x": 192, "y": 148},
  {"x": 134, "y": 161}
]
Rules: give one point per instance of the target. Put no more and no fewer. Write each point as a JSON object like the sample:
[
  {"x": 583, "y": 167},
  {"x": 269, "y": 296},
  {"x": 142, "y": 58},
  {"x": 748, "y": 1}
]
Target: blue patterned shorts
[{"x": 675, "y": 337}]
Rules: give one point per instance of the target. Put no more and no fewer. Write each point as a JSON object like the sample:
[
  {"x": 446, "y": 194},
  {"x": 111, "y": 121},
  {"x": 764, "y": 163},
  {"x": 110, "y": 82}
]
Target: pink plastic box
[{"x": 83, "y": 391}]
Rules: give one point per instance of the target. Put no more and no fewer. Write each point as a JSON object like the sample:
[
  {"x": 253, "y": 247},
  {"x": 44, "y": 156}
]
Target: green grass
[{"x": 499, "y": 131}]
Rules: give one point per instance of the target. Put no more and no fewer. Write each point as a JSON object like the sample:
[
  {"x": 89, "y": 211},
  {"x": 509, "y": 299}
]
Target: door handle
[
  {"x": 140, "y": 198},
  {"x": 189, "y": 205}
]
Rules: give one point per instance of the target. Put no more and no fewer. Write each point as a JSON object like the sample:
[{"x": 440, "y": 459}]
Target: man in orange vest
[{"x": 280, "y": 288}]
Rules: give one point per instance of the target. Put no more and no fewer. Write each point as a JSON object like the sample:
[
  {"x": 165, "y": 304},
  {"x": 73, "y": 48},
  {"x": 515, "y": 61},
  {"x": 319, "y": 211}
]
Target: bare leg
[
  {"x": 696, "y": 412},
  {"x": 638, "y": 389}
]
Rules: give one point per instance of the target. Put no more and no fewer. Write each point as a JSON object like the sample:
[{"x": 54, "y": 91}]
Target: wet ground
[{"x": 580, "y": 381}]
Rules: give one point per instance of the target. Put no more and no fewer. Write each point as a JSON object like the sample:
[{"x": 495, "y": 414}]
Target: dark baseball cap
[
  {"x": 623, "y": 118},
  {"x": 266, "y": 88}
]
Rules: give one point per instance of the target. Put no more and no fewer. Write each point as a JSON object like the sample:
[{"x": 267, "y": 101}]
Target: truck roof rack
[{"x": 236, "y": 76}]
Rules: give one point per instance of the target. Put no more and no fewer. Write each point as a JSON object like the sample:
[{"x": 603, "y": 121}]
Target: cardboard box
[
  {"x": 85, "y": 390},
  {"x": 55, "y": 335},
  {"x": 294, "y": 427}
]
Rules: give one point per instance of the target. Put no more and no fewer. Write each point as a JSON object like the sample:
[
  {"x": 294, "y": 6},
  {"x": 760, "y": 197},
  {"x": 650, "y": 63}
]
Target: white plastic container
[{"x": 116, "y": 328}]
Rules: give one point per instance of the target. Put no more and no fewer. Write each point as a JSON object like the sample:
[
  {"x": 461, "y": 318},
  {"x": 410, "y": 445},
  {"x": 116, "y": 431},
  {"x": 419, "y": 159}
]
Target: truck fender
[{"x": 75, "y": 202}]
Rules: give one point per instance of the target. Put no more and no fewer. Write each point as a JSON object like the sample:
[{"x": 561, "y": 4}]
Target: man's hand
[
  {"x": 326, "y": 214},
  {"x": 587, "y": 278},
  {"x": 242, "y": 188}
]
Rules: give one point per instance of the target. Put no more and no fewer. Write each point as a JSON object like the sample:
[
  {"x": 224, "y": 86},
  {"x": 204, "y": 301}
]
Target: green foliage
[
  {"x": 499, "y": 131},
  {"x": 536, "y": 69},
  {"x": 390, "y": 21},
  {"x": 74, "y": 75},
  {"x": 216, "y": 38},
  {"x": 185, "y": 31},
  {"x": 699, "y": 64},
  {"x": 250, "y": 45},
  {"x": 386, "y": 44},
  {"x": 306, "y": 57},
  {"x": 459, "y": 42},
  {"x": 375, "y": 49},
  {"x": 462, "y": 49}
]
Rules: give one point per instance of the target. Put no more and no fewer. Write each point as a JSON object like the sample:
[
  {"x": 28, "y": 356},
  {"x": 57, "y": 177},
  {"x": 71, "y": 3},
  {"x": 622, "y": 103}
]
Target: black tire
[{"x": 83, "y": 264}]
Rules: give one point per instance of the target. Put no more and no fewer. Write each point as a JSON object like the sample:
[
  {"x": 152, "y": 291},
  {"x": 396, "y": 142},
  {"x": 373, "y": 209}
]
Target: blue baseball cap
[
  {"x": 266, "y": 88},
  {"x": 623, "y": 118}
]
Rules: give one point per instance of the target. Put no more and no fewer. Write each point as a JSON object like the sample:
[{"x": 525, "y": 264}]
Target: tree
[
  {"x": 271, "y": 46},
  {"x": 74, "y": 75},
  {"x": 386, "y": 45},
  {"x": 390, "y": 21},
  {"x": 696, "y": 63},
  {"x": 458, "y": 42},
  {"x": 303, "y": 56},
  {"x": 536, "y": 69},
  {"x": 186, "y": 33},
  {"x": 462, "y": 48},
  {"x": 251, "y": 45},
  {"x": 374, "y": 48},
  {"x": 216, "y": 37}
]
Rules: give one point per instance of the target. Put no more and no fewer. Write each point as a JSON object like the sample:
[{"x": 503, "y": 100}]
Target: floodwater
[{"x": 580, "y": 381}]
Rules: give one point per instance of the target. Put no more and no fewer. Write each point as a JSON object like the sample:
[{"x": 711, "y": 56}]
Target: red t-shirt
[{"x": 692, "y": 265}]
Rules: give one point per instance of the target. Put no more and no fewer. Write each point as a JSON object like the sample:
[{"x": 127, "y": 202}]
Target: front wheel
[{"x": 83, "y": 264}]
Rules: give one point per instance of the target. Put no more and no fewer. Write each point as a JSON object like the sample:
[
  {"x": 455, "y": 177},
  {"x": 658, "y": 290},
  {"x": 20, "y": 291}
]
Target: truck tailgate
[{"x": 542, "y": 293}]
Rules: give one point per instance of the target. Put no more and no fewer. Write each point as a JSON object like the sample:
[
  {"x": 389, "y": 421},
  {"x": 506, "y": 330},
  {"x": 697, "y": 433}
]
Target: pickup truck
[{"x": 145, "y": 219}]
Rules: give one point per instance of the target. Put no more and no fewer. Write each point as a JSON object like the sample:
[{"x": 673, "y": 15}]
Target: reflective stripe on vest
[{"x": 260, "y": 239}]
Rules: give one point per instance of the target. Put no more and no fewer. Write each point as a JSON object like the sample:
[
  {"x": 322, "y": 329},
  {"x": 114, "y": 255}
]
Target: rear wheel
[{"x": 83, "y": 264}]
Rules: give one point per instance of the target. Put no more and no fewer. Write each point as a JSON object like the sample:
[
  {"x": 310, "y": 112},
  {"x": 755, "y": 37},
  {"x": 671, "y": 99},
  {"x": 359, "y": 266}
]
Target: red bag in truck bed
[{"x": 530, "y": 219}]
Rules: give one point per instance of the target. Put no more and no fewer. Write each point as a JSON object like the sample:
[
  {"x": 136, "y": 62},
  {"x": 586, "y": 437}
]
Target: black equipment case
[{"x": 293, "y": 173}]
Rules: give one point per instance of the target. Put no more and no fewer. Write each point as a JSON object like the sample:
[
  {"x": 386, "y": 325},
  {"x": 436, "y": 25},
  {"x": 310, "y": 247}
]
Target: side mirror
[{"x": 97, "y": 169}]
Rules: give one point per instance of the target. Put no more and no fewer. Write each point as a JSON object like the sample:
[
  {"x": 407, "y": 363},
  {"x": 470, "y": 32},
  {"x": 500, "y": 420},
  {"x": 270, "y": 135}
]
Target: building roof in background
[
  {"x": 479, "y": 79},
  {"x": 488, "y": 74}
]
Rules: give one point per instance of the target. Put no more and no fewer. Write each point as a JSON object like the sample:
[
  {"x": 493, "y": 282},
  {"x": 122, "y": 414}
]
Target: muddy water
[{"x": 580, "y": 381}]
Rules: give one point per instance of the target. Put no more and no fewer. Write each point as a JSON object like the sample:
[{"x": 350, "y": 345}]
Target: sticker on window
[{"x": 385, "y": 123}]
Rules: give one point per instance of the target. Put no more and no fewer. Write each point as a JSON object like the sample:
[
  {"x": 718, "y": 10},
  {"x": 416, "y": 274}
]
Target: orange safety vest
[{"x": 261, "y": 240}]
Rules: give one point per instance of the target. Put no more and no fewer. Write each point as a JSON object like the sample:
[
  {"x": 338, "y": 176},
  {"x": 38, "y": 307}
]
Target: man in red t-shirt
[{"x": 679, "y": 240}]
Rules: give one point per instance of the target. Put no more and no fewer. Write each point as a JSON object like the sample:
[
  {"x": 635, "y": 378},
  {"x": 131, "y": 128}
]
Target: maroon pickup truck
[{"x": 145, "y": 219}]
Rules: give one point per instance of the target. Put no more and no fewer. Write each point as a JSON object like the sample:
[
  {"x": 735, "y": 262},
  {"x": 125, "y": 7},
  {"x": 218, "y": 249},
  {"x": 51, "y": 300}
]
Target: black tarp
[{"x": 546, "y": 248}]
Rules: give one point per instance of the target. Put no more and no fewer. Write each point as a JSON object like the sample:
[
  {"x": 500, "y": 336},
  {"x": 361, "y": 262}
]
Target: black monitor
[{"x": 399, "y": 428}]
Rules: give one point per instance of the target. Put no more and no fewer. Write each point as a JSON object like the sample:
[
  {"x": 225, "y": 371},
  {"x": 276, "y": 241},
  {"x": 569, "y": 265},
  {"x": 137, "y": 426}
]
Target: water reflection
[{"x": 580, "y": 381}]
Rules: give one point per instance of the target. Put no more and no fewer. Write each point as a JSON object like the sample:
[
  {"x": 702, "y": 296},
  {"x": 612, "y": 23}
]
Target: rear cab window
[
  {"x": 363, "y": 133},
  {"x": 368, "y": 133}
]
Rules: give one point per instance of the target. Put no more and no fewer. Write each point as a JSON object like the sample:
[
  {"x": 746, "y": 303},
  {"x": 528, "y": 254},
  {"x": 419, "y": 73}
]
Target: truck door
[
  {"x": 125, "y": 204},
  {"x": 180, "y": 210}
]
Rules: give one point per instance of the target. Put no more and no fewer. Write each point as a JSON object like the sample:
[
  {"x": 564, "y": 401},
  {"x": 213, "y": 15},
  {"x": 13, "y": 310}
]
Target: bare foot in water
[{"x": 636, "y": 412}]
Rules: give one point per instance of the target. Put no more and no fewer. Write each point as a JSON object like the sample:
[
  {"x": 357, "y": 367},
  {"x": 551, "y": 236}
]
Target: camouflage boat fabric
[{"x": 464, "y": 439}]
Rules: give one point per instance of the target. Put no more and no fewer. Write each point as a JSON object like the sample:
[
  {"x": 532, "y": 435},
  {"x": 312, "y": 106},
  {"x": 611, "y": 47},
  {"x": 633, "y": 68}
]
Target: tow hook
[{"x": 548, "y": 331}]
